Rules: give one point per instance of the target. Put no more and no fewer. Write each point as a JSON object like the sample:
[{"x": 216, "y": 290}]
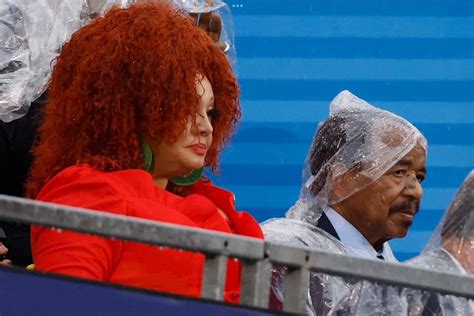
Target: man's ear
[
  {"x": 339, "y": 179},
  {"x": 348, "y": 183}
]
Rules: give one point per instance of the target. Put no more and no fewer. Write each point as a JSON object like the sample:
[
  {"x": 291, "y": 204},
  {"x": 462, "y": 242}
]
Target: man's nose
[{"x": 413, "y": 187}]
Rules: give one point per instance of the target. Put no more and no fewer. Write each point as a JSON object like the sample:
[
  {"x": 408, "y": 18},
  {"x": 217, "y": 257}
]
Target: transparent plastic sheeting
[
  {"x": 374, "y": 299},
  {"x": 100, "y": 7},
  {"x": 215, "y": 17},
  {"x": 371, "y": 299},
  {"x": 370, "y": 142},
  {"x": 373, "y": 141},
  {"x": 455, "y": 232},
  {"x": 450, "y": 249},
  {"x": 324, "y": 289},
  {"x": 33, "y": 32}
]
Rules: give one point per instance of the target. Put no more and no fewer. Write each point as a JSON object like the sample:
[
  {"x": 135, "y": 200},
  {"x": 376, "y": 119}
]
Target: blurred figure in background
[
  {"x": 3, "y": 250},
  {"x": 31, "y": 34},
  {"x": 450, "y": 249}
]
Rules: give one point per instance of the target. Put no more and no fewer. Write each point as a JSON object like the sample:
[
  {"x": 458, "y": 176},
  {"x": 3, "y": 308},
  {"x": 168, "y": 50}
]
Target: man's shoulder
[{"x": 294, "y": 232}]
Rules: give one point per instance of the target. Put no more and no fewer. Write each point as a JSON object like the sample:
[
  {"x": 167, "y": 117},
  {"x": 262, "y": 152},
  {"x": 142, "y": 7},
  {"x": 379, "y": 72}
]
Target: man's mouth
[{"x": 408, "y": 208}]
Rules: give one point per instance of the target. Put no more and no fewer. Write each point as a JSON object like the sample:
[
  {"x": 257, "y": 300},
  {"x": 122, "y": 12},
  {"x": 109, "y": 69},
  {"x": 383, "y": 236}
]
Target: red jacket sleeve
[{"x": 75, "y": 254}]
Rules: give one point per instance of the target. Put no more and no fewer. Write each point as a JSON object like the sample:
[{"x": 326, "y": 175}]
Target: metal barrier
[{"x": 256, "y": 255}]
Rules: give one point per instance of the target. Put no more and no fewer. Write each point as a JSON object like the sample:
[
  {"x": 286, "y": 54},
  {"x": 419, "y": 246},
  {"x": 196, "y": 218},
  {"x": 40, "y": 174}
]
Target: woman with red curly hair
[{"x": 139, "y": 102}]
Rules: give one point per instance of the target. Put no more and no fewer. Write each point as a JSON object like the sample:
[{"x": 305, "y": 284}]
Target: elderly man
[
  {"x": 361, "y": 186},
  {"x": 450, "y": 249}
]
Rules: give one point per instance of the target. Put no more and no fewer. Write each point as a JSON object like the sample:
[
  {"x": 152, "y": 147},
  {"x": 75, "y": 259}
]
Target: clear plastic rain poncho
[
  {"x": 357, "y": 138},
  {"x": 215, "y": 17},
  {"x": 31, "y": 36},
  {"x": 450, "y": 249},
  {"x": 371, "y": 299},
  {"x": 324, "y": 289},
  {"x": 32, "y": 33}
]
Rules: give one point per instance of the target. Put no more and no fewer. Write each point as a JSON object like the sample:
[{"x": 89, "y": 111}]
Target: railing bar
[
  {"x": 255, "y": 286},
  {"x": 394, "y": 274},
  {"x": 373, "y": 270},
  {"x": 129, "y": 228},
  {"x": 212, "y": 243},
  {"x": 213, "y": 282},
  {"x": 295, "y": 290}
]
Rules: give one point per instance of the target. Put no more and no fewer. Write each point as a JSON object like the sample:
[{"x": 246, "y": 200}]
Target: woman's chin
[
  {"x": 191, "y": 167},
  {"x": 198, "y": 164}
]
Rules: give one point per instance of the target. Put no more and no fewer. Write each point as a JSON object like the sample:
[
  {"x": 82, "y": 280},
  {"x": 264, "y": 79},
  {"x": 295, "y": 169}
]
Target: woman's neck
[{"x": 160, "y": 182}]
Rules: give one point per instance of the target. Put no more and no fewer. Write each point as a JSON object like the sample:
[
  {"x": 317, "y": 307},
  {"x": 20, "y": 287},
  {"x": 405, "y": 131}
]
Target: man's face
[{"x": 385, "y": 209}]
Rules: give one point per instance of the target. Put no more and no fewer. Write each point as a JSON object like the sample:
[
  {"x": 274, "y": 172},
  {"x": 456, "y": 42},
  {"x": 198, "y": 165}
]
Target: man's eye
[
  {"x": 420, "y": 177},
  {"x": 399, "y": 173}
]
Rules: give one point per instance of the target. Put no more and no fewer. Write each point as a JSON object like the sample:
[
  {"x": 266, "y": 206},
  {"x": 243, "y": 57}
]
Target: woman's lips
[{"x": 199, "y": 149}]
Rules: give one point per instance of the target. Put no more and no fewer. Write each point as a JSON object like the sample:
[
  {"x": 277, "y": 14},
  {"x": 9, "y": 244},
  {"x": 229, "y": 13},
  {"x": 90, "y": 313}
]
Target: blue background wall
[{"x": 414, "y": 58}]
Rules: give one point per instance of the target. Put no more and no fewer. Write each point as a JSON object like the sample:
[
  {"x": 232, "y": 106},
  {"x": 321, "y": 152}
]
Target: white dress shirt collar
[{"x": 354, "y": 241}]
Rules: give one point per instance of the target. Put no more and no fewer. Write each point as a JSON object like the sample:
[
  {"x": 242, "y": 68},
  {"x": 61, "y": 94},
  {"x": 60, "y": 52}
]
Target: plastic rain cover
[
  {"x": 367, "y": 140},
  {"x": 31, "y": 36}
]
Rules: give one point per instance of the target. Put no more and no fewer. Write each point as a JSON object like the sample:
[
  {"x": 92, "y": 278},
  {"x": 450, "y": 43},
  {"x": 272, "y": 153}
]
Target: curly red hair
[{"x": 128, "y": 75}]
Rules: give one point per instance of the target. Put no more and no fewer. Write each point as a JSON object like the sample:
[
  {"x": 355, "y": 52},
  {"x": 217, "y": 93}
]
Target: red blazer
[{"x": 133, "y": 193}]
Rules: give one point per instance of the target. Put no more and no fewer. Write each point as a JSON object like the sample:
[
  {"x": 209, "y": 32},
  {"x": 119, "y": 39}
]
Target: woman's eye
[{"x": 212, "y": 114}]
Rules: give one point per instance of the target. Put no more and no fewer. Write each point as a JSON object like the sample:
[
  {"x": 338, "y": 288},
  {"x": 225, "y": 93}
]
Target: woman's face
[{"x": 189, "y": 151}]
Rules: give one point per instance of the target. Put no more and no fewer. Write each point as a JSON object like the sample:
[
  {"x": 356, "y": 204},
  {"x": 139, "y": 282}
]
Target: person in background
[
  {"x": 450, "y": 249},
  {"x": 140, "y": 101},
  {"x": 361, "y": 187},
  {"x": 3, "y": 250},
  {"x": 18, "y": 115}
]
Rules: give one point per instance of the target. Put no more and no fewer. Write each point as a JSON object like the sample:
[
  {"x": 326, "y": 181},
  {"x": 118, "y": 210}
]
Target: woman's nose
[{"x": 204, "y": 124}]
